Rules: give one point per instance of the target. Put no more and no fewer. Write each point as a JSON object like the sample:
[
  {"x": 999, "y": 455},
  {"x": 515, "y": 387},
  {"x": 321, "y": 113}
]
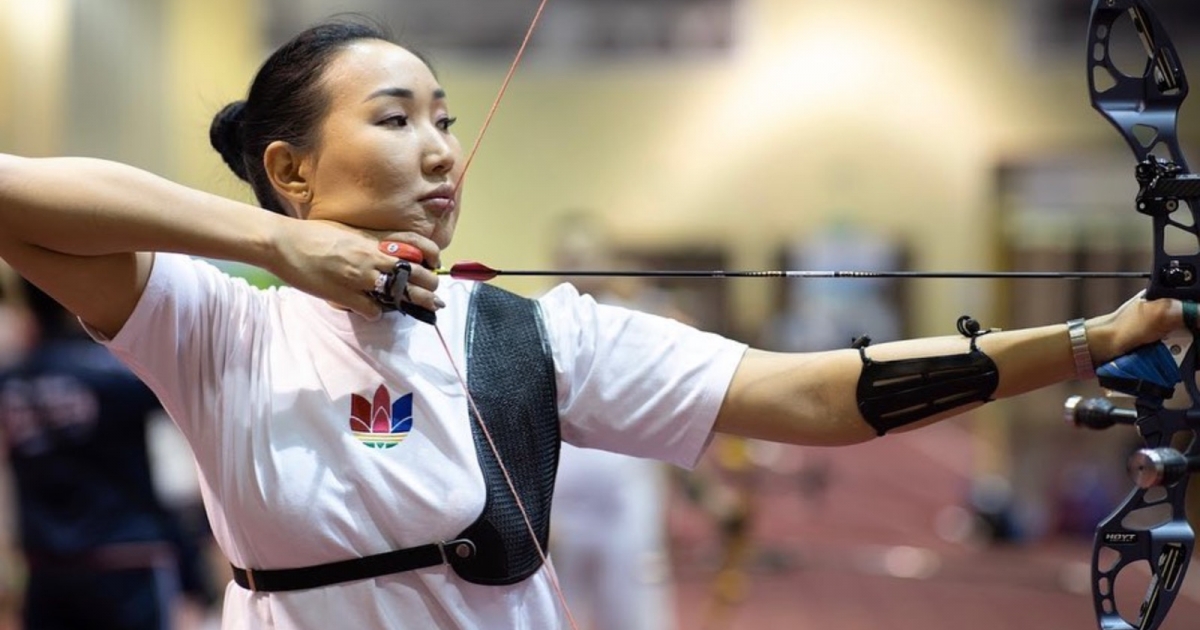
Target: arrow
[{"x": 479, "y": 272}]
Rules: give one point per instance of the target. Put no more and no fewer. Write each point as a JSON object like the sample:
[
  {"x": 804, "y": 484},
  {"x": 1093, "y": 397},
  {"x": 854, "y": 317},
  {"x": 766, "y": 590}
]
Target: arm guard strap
[{"x": 892, "y": 394}]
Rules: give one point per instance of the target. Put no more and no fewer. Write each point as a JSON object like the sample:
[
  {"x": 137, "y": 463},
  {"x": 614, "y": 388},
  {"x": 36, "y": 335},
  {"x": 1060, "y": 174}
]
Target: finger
[
  {"x": 363, "y": 305},
  {"x": 400, "y": 287},
  {"x": 1190, "y": 312},
  {"x": 402, "y": 250},
  {"x": 397, "y": 284},
  {"x": 424, "y": 278},
  {"x": 380, "y": 285},
  {"x": 424, "y": 298},
  {"x": 430, "y": 253}
]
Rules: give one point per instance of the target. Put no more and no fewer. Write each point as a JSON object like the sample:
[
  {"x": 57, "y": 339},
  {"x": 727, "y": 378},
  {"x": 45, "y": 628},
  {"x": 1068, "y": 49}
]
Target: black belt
[{"x": 300, "y": 578}]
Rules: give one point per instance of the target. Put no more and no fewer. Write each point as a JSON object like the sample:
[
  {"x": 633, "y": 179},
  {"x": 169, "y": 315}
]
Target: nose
[{"x": 440, "y": 153}]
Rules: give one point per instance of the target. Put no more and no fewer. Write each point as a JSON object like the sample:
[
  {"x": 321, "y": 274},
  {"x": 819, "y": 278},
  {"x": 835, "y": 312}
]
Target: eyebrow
[{"x": 398, "y": 92}]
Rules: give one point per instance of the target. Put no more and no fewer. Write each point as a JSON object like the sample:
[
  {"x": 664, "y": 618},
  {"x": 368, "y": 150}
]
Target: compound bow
[{"x": 1151, "y": 525}]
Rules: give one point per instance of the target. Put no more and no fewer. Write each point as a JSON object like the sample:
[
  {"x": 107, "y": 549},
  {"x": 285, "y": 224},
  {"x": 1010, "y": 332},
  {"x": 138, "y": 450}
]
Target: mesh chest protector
[{"x": 510, "y": 374}]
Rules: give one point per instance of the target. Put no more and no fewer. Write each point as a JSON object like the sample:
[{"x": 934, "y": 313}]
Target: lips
[{"x": 441, "y": 199}]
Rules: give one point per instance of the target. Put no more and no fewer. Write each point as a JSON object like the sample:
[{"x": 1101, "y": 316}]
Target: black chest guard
[{"x": 510, "y": 374}]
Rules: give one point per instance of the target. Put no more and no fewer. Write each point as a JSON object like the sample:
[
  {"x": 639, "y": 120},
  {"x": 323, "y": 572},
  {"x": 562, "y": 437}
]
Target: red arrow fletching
[{"x": 471, "y": 270}]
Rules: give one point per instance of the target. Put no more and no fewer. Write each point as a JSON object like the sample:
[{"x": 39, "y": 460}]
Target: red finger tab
[{"x": 401, "y": 250}]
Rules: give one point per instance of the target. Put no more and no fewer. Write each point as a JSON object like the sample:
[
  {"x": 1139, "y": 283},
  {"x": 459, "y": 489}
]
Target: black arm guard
[{"x": 892, "y": 394}]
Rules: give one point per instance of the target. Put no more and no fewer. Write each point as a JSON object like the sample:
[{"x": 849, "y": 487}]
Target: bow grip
[{"x": 1150, "y": 373}]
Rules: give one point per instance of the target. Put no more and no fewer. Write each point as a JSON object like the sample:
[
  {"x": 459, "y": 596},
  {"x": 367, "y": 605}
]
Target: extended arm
[{"x": 811, "y": 398}]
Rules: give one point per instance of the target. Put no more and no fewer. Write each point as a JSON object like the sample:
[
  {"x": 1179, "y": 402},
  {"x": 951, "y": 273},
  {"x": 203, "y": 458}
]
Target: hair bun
[{"x": 226, "y": 137}]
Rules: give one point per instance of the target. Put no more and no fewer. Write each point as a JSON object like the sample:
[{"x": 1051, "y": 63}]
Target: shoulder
[
  {"x": 564, "y": 304},
  {"x": 562, "y": 294}
]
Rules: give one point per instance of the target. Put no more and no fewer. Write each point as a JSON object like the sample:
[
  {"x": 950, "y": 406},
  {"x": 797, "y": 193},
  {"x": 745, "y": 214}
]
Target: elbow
[
  {"x": 14, "y": 175},
  {"x": 10, "y": 166},
  {"x": 11, "y": 176}
]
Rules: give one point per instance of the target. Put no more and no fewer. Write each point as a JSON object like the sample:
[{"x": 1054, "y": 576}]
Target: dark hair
[{"x": 285, "y": 101}]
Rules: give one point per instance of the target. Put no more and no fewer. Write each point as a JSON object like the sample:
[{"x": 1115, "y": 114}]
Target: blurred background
[{"x": 735, "y": 134}]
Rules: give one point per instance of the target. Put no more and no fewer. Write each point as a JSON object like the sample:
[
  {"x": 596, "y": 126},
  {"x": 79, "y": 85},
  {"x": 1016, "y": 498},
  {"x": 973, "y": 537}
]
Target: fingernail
[{"x": 437, "y": 301}]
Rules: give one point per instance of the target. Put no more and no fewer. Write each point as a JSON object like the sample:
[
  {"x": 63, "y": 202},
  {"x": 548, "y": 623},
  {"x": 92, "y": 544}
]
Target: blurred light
[
  {"x": 904, "y": 562},
  {"x": 955, "y": 524},
  {"x": 37, "y": 33},
  {"x": 37, "y": 27},
  {"x": 911, "y": 562},
  {"x": 1076, "y": 577},
  {"x": 839, "y": 57},
  {"x": 829, "y": 75},
  {"x": 833, "y": 58}
]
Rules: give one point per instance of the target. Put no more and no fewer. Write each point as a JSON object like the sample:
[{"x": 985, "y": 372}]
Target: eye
[
  {"x": 446, "y": 123},
  {"x": 399, "y": 120}
]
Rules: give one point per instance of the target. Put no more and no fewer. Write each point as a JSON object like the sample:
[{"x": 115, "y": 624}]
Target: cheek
[{"x": 378, "y": 180}]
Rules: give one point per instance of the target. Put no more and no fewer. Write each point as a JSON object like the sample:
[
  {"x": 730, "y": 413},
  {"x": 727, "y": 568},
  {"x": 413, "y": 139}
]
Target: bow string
[{"x": 472, "y": 408}]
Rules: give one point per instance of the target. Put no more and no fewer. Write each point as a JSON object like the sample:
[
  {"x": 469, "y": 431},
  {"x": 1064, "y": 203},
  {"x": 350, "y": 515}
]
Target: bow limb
[{"x": 1151, "y": 525}]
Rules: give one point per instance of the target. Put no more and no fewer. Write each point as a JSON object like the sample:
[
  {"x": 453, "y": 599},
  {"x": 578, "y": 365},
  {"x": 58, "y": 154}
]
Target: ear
[{"x": 288, "y": 169}]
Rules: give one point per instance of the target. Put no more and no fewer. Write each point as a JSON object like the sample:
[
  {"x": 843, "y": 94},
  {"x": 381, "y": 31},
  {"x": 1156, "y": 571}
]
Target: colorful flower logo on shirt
[{"x": 381, "y": 423}]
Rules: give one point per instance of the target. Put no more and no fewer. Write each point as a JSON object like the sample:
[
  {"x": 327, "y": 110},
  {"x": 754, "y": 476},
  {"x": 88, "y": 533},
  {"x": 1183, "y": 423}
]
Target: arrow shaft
[{"x": 783, "y": 273}]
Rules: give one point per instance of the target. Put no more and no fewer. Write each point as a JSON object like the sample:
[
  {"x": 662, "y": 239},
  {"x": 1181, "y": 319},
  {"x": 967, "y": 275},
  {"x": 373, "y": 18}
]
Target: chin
[{"x": 443, "y": 233}]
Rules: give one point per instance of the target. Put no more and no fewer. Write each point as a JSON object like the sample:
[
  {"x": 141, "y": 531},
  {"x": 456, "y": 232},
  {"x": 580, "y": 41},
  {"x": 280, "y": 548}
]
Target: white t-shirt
[{"x": 271, "y": 389}]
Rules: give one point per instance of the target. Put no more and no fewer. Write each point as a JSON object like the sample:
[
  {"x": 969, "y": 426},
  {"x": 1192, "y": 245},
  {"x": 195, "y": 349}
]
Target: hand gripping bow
[{"x": 1151, "y": 525}]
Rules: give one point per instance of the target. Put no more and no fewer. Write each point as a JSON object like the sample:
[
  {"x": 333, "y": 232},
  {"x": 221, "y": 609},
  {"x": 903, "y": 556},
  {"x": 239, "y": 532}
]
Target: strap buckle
[
  {"x": 460, "y": 548},
  {"x": 250, "y": 580}
]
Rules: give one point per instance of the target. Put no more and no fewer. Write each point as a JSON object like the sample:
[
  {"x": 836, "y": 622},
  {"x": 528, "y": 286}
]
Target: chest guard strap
[{"x": 510, "y": 374}]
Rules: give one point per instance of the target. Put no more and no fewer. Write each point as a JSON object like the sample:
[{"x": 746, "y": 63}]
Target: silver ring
[{"x": 381, "y": 282}]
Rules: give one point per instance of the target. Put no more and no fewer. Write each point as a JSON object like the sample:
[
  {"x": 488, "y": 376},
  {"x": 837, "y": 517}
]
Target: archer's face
[{"x": 385, "y": 158}]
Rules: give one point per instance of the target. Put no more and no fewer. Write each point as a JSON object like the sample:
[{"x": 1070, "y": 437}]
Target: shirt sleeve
[
  {"x": 636, "y": 383},
  {"x": 189, "y": 325}
]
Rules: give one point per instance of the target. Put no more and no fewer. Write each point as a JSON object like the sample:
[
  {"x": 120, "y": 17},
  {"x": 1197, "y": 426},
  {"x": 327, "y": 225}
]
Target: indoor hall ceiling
[{"x": 569, "y": 28}]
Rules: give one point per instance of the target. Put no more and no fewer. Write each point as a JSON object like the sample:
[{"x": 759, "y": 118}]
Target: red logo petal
[
  {"x": 360, "y": 413},
  {"x": 381, "y": 411}
]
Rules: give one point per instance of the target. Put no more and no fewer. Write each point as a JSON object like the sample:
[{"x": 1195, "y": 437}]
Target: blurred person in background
[
  {"x": 100, "y": 549},
  {"x": 609, "y": 519},
  {"x": 14, "y": 335},
  {"x": 338, "y": 452},
  {"x": 14, "y": 326}
]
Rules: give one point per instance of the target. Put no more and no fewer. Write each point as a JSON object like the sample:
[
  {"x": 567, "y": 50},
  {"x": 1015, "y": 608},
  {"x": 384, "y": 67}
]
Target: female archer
[{"x": 364, "y": 468}]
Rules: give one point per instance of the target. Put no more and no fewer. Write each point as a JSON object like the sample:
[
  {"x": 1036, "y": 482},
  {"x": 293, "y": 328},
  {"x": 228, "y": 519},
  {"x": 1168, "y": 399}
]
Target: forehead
[{"x": 365, "y": 66}]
